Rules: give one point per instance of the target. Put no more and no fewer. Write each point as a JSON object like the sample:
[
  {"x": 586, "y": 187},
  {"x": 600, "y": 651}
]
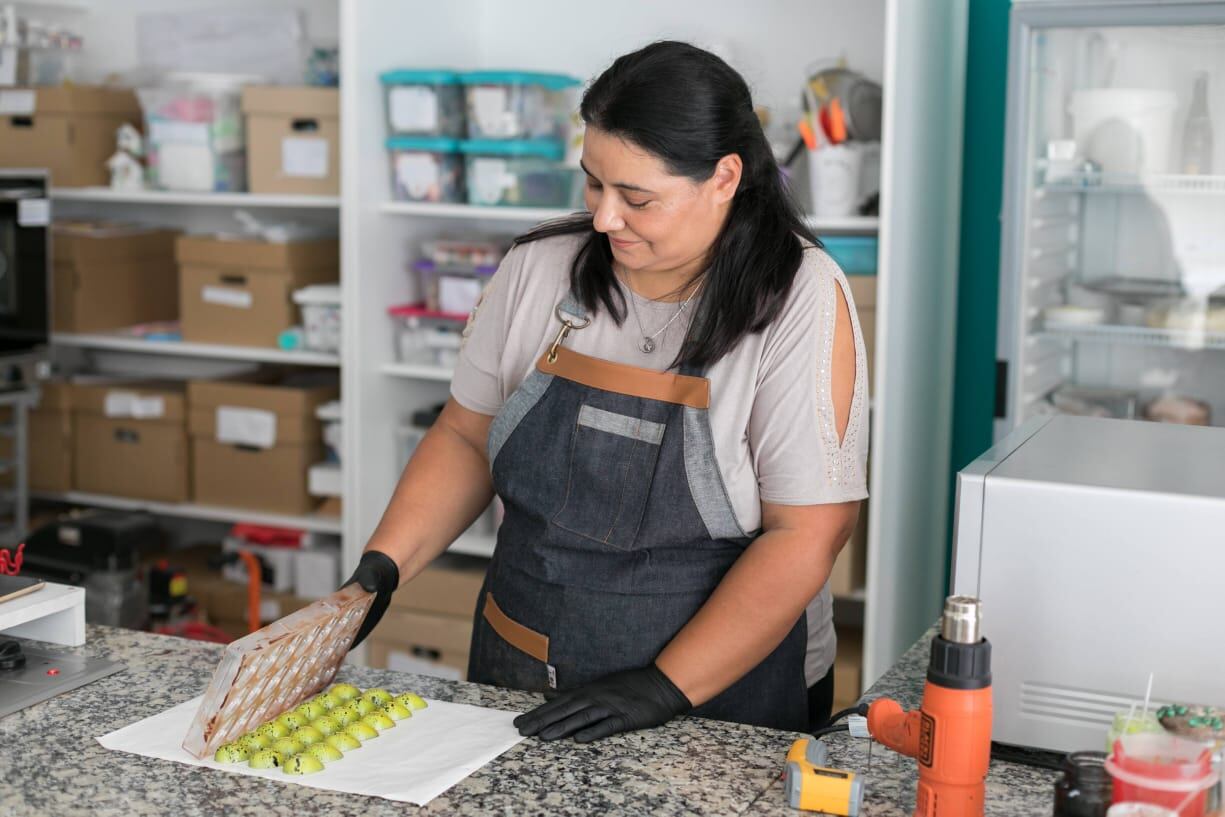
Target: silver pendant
[{"x": 647, "y": 345}]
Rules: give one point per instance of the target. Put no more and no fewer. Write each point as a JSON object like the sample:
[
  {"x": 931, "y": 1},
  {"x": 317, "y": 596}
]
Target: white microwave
[{"x": 1097, "y": 548}]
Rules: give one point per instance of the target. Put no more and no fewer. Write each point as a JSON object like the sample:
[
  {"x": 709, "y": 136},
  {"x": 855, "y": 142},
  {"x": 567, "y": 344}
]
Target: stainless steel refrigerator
[{"x": 1112, "y": 300}]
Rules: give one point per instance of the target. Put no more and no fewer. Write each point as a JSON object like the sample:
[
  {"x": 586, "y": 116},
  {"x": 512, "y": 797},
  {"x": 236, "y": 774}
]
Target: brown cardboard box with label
[
  {"x": 863, "y": 291},
  {"x": 131, "y": 440},
  {"x": 293, "y": 139},
  {"x": 433, "y": 639},
  {"x": 108, "y": 276},
  {"x": 252, "y": 442},
  {"x": 240, "y": 291},
  {"x": 68, "y": 129}
]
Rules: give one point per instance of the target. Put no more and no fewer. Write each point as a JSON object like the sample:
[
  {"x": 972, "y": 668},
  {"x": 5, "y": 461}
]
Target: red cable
[{"x": 6, "y": 560}]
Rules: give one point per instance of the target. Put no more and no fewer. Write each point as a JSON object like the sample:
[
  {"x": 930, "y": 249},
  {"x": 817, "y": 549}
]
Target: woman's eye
[
  {"x": 637, "y": 205},
  {"x": 592, "y": 184}
]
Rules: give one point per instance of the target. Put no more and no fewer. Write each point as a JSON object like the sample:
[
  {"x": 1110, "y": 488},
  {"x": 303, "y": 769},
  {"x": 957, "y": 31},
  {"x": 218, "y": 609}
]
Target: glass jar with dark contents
[{"x": 1084, "y": 789}]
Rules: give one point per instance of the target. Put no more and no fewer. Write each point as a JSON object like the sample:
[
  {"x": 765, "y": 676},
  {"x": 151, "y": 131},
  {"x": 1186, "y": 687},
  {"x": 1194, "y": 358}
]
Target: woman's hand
[
  {"x": 377, "y": 573},
  {"x": 621, "y": 702}
]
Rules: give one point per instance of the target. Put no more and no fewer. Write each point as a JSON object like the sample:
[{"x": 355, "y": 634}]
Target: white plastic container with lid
[
  {"x": 320, "y": 304},
  {"x": 426, "y": 337},
  {"x": 519, "y": 173},
  {"x": 452, "y": 288},
  {"x": 195, "y": 138},
  {"x": 423, "y": 102},
  {"x": 426, "y": 168},
  {"x": 518, "y": 104}
]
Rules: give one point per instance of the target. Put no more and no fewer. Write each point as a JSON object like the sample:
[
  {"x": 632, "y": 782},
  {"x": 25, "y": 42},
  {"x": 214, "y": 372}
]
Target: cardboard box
[
  {"x": 412, "y": 641},
  {"x": 448, "y": 587},
  {"x": 253, "y": 442},
  {"x": 131, "y": 440},
  {"x": 240, "y": 292},
  {"x": 68, "y": 129},
  {"x": 51, "y": 439},
  {"x": 848, "y": 669},
  {"x": 225, "y": 604},
  {"x": 111, "y": 276},
  {"x": 293, "y": 139}
]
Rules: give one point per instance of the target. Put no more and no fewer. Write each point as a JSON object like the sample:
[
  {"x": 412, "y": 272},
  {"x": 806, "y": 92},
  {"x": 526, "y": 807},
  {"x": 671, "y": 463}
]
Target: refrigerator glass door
[{"x": 1118, "y": 192}]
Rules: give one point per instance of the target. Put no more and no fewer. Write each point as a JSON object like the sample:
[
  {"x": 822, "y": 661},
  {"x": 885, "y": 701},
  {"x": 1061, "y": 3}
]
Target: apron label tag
[{"x": 552, "y": 676}]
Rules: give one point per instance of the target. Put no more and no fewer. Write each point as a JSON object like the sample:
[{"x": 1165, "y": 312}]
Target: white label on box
[
  {"x": 246, "y": 426},
  {"x": 304, "y": 158},
  {"x": 488, "y": 108},
  {"x": 418, "y": 174},
  {"x": 458, "y": 294},
  {"x": 413, "y": 108},
  {"x": 487, "y": 179},
  {"x": 225, "y": 296},
  {"x": 405, "y": 662},
  {"x": 16, "y": 103},
  {"x": 168, "y": 130},
  {"x": 130, "y": 404},
  {"x": 33, "y": 212},
  {"x": 10, "y": 59}
]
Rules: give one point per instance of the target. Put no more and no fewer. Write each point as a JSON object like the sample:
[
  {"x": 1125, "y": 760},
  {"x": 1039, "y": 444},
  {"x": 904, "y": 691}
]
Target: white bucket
[{"x": 1125, "y": 130}]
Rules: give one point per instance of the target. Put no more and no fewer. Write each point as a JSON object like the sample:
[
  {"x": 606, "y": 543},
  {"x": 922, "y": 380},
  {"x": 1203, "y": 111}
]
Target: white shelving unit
[
  {"x": 917, "y": 50},
  {"x": 123, "y": 343},
  {"x": 176, "y": 197},
  {"x": 191, "y": 510}
]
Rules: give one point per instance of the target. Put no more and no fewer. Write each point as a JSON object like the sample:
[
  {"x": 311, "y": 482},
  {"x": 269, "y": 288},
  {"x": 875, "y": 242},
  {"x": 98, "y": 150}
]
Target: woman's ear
[{"x": 726, "y": 178}]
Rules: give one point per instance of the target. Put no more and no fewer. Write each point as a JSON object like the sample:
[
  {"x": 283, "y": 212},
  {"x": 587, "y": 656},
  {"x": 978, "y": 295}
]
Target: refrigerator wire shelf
[{"x": 1138, "y": 336}]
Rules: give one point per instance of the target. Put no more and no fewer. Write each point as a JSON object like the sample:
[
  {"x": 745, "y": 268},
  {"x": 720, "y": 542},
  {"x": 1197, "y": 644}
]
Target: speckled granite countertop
[
  {"x": 1012, "y": 790},
  {"x": 52, "y": 764}
]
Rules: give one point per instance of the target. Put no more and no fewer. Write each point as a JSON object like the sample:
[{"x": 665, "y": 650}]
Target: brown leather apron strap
[
  {"x": 682, "y": 389},
  {"x": 512, "y": 632}
]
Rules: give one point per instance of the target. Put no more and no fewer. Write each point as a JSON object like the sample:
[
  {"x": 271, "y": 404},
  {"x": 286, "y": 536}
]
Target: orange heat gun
[{"x": 950, "y": 733}]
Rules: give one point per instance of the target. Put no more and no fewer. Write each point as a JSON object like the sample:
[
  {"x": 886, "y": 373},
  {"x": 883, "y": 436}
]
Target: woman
[{"x": 668, "y": 394}]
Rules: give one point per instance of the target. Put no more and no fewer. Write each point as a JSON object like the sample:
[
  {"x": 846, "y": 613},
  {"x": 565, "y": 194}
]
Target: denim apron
[{"x": 617, "y": 529}]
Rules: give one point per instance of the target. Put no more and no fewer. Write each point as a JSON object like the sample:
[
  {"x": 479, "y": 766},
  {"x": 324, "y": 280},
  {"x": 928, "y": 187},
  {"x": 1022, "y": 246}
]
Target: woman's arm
[
  {"x": 760, "y": 598},
  {"x": 443, "y": 490}
]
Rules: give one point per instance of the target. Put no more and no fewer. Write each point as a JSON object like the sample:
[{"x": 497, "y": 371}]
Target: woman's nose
[{"x": 606, "y": 219}]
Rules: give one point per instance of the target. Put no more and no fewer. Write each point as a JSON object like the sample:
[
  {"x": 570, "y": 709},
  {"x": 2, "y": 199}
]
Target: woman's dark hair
[{"x": 690, "y": 108}]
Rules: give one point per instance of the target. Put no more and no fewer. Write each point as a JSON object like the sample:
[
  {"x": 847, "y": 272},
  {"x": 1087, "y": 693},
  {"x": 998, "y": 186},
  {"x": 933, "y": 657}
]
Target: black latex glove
[
  {"x": 376, "y": 573},
  {"x": 621, "y": 702}
]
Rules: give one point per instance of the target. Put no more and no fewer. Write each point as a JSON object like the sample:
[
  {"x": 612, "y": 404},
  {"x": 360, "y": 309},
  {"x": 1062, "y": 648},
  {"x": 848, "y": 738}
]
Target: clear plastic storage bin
[
  {"x": 450, "y": 288},
  {"x": 320, "y": 305},
  {"x": 518, "y": 174},
  {"x": 194, "y": 134},
  {"x": 518, "y": 104},
  {"x": 426, "y": 168},
  {"x": 460, "y": 252},
  {"x": 423, "y": 102},
  {"x": 426, "y": 337}
]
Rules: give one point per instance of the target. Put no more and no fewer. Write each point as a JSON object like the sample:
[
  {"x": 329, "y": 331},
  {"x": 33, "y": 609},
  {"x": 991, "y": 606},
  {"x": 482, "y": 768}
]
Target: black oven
[{"x": 25, "y": 261}]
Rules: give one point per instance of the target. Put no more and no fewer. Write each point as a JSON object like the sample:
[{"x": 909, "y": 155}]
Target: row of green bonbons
[{"x": 321, "y": 729}]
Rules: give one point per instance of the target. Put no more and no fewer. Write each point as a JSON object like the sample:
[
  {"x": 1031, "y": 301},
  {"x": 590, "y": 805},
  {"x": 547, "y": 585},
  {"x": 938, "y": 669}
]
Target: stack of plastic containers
[
  {"x": 516, "y": 126},
  {"x": 195, "y": 135}
]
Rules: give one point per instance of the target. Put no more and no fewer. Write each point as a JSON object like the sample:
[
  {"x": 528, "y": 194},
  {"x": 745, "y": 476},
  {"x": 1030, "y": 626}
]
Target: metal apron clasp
[{"x": 566, "y": 326}]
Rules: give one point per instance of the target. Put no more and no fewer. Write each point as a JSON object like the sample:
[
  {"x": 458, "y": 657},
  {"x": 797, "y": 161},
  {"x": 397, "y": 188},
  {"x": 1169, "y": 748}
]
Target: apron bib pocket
[{"x": 612, "y": 465}]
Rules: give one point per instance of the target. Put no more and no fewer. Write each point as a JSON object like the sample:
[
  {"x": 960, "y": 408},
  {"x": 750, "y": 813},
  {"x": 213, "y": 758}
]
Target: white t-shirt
[{"x": 771, "y": 403}]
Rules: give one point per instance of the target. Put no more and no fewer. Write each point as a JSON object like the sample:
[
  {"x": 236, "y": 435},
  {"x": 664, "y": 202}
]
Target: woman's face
[{"x": 655, "y": 221}]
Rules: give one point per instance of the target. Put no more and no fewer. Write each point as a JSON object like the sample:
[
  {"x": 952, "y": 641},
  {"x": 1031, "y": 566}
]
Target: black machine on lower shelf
[{"x": 100, "y": 551}]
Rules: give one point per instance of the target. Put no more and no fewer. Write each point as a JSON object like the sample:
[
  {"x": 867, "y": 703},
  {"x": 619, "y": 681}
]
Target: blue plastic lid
[
  {"x": 547, "y": 148},
  {"x": 420, "y": 76},
  {"x": 434, "y": 144},
  {"x": 553, "y": 82}
]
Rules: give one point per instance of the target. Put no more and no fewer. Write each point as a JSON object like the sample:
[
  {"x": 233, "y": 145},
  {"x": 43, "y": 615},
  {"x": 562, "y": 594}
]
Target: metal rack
[{"x": 15, "y": 503}]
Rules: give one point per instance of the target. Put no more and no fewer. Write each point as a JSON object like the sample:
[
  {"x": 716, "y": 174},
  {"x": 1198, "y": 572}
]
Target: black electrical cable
[
  {"x": 829, "y": 730},
  {"x": 858, "y": 709}
]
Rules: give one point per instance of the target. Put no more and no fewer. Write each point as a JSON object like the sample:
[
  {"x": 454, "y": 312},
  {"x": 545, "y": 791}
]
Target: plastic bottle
[
  {"x": 1197, "y": 132},
  {"x": 1085, "y": 789}
]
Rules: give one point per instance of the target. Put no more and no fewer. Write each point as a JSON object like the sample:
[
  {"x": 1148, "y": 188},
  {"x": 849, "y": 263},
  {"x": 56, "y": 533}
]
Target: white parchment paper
[{"x": 414, "y": 762}]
